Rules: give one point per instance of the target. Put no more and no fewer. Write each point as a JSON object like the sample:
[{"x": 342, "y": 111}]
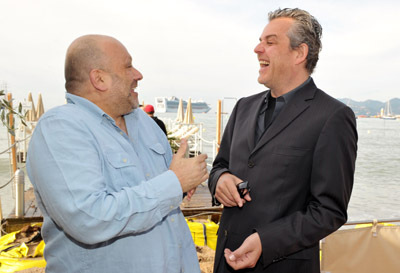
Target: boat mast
[{"x": 389, "y": 112}]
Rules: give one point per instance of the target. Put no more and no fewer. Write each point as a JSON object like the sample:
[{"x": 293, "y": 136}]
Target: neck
[
  {"x": 120, "y": 122},
  {"x": 289, "y": 85},
  {"x": 106, "y": 105}
]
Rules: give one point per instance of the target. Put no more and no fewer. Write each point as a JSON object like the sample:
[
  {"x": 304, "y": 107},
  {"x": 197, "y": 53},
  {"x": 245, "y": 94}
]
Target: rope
[
  {"x": 203, "y": 213},
  {"x": 206, "y": 141},
  {"x": 16, "y": 142},
  {"x": 176, "y": 143},
  {"x": 12, "y": 178},
  {"x": 3, "y": 232},
  {"x": 9, "y": 148}
]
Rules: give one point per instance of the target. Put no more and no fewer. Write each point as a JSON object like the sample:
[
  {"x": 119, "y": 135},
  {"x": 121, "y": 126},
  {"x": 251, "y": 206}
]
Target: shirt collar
[
  {"x": 89, "y": 106},
  {"x": 287, "y": 96}
]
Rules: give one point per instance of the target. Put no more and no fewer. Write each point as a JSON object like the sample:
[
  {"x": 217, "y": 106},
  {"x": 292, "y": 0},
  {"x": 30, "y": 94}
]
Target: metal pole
[
  {"x": 19, "y": 193},
  {"x": 218, "y": 136},
  {"x": 201, "y": 137}
]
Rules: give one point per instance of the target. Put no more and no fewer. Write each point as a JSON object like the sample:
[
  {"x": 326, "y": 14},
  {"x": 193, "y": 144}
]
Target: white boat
[
  {"x": 164, "y": 104},
  {"x": 387, "y": 113}
]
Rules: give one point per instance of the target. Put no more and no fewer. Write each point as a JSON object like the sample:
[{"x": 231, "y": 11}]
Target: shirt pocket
[
  {"x": 293, "y": 163},
  {"x": 159, "y": 155},
  {"x": 286, "y": 157},
  {"x": 121, "y": 169}
]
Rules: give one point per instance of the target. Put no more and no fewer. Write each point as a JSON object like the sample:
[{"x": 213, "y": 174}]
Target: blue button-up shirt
[{"x": 109, "y": 202}]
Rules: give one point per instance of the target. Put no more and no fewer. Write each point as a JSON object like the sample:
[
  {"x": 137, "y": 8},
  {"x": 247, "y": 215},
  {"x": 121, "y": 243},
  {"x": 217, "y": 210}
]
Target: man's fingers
[
  {"x": 225, "y": 201},
  {"x": 228, "y": 255},
  {"x": 182, "y": 148},
  {"x": 235, "y": 195},
  {"x": 239, "y": 258},
  {"x": 205, "y": 177},
  {"x": 234, "y": 261},
  {"x": 202, "y": 157},
  {"x": 190, "y": 194},
  {"x": 228, "y": 195},
  {"x": 247, "y": 197},
  {"x": 240, "y": 252}
]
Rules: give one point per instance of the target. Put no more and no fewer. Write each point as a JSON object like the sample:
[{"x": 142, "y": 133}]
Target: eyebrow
[{"x": 269, "y": 36}]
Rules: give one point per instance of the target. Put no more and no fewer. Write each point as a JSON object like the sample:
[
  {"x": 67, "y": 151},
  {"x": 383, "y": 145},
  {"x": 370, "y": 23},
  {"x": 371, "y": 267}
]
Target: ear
[
  {"x": 99, "y": 79},
  {"x": 302, "y": 53}
]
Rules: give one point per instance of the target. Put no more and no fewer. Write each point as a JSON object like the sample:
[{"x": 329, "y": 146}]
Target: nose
[
  {"x": 137, "y": 75},
  {"x": 259, "y": 49}
]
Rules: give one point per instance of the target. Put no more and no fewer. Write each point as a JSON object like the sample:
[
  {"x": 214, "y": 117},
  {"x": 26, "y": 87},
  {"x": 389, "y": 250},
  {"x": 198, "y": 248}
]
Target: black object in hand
[{"x": 243, "y": 188}]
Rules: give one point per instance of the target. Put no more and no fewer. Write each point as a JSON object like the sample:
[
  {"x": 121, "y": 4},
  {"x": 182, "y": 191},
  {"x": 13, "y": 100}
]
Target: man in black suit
[{"x": 295, "y": 146}]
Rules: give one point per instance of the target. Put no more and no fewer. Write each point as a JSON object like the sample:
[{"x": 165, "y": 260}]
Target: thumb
[
  {"x": 237, "y": 253},
  {"x": 182, "y": 148}
]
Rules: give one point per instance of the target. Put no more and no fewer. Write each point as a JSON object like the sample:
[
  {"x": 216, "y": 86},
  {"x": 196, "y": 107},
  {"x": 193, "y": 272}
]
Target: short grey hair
[
  {"x": 306, "y": 29},
  {"x": 83, "y": 55}
]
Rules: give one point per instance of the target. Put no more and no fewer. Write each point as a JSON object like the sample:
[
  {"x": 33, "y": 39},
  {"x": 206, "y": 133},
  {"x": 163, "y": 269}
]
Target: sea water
[{"x": 377, "y": 178}]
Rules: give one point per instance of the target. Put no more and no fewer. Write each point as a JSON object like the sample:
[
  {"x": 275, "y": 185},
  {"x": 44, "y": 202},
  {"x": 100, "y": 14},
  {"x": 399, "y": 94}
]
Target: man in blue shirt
[{"x": 104, "y": 176}]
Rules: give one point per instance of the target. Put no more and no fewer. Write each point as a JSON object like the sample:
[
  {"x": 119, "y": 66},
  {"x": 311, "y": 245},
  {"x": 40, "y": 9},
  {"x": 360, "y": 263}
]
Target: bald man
[{"x": 104, "y": 176}]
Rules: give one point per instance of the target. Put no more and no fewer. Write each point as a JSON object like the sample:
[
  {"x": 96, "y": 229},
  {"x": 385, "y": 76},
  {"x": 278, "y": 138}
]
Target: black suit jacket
[
  {"x": 301, "y": 177},
  {"x": 160, "y": 124}
]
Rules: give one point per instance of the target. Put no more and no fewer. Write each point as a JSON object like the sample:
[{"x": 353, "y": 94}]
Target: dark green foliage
[{"x": 6, "y": 110}]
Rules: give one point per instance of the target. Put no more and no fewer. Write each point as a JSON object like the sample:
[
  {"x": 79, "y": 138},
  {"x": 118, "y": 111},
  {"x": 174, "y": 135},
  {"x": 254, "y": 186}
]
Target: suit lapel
[
  {"x": 253, "y": 118},
  {"x": 296, "y": 106}
]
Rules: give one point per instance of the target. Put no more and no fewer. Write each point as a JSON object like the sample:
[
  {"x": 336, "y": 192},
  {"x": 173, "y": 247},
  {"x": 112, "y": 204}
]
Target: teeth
[{"x": 264, "y": 62}]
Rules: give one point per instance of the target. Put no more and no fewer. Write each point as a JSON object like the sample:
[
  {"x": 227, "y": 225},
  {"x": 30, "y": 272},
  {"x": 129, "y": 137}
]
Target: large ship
[{"x": 170, "y": 105}]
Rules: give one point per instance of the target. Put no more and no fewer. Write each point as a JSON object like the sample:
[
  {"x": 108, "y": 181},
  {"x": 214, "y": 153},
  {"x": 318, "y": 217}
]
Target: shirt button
[
  {"x": 250, "y": 164},
  {"x": 171, "y": 207},
  {"x": 147, "y": 174},
  {"x": 121, "y": 133},
  {"x": 124, "y": 160},
  {"x": 172, "y": 219}
]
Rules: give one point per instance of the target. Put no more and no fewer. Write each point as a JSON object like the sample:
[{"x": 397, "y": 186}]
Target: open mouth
[{"x": 263, "y": 63}]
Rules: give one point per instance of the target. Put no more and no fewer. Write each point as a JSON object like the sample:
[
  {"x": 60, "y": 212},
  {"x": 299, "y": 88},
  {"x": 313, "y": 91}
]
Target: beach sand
[{"x": 206, "y": 258}]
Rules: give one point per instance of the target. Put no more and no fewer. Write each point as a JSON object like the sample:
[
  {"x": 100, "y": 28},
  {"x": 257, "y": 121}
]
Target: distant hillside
[{"x": 371, "y": 107}]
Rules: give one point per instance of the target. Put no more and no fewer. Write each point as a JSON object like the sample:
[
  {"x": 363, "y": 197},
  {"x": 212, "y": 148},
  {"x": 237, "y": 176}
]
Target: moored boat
[
  {"x": 387, "y": 113},
  {"x": 170, "y": 105}
]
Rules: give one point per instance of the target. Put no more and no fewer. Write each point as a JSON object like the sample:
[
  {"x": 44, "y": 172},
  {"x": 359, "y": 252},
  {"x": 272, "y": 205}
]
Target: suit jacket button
[{"x": 250, "y": 164}]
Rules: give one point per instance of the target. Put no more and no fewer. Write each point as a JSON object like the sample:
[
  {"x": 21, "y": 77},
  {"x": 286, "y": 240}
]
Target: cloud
[{"x": 198, "y": 49}]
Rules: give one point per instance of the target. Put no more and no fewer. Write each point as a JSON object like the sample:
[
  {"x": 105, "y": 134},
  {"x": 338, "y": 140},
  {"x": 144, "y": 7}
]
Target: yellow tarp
[
  {"x": 203, "y": 233},
  {"x": 14, "y": 257}
]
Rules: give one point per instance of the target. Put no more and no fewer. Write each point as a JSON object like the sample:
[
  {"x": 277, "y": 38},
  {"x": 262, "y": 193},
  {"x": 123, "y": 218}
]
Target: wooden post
[
  {"x": 11, "y": 124},
  {"x": 219, "y": 114},
  {"x": 1, "y": 219},
  {"x": 1, "y": 214}
]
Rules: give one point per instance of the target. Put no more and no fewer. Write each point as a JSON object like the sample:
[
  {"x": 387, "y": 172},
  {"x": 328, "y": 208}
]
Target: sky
[{"x": 198, "y": 49}]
